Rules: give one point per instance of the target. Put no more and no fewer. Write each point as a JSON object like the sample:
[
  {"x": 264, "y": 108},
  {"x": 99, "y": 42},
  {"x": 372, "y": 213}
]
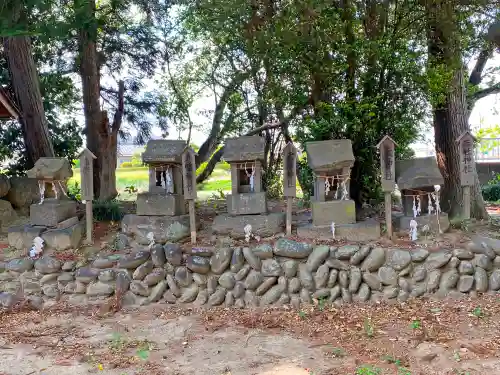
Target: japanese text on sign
[
  {"x": 467, "y": 155},
  {"x": 389, "y": 160},
  {"x": 290, "y": 164},
  {"x": 189, "y": 174}
]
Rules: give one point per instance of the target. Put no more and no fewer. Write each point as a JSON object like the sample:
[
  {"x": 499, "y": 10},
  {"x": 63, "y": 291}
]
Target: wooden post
[
  {"x": 388, "y": 213},
  {"x": 387, "y": 167},
  {"x": 87, "y": 187},
  {"x": 289, "y": 182},
  {"x": 466, "y": 146},
  {"x": 189, "y": 187},
  {"x": 466, "y": 192}
]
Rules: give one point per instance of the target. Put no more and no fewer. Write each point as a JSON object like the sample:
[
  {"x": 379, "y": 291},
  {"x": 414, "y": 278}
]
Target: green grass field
[{"x": 137, "y": 177}]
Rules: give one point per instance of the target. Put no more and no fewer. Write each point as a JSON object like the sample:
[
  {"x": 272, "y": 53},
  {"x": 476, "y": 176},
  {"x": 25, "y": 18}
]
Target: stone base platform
[
  {"x": 263, "y": 225},
  {"x": 402, "y": 223},
  {"x": 338, "y": 211},
  {"x": 65, "y": 238},
  {"x": 247, "y": 203},
  {"x": 368, "y": 230},
  {"x": 153, "y": 204},
  {"x": 21, "y": 237},
  {"x": 165, "y": 228},
  {"x": 51, "y": 212}
]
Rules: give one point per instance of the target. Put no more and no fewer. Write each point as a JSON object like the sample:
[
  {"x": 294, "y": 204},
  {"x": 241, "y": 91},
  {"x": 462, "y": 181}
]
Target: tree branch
[
  {"x": 476, "y": 75},
  {"x": 220, "y": 152},
  {"x": 208, "y": 147},
  {"x": 210, "y": 166},
  {"x": 185, "y": 107},
  {"x": 495, "y": 89}
]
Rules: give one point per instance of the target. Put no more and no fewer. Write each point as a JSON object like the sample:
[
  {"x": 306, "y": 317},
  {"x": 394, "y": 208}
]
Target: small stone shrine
[
  {"x": 247, "y": 203},
  {"x": 162, "y": 209},
  {"x": 54, "y": 219},
  {"x": 165, "y": 196},
  {"x": 419, "y": 181},
  {"x": 333, "y": 212}
]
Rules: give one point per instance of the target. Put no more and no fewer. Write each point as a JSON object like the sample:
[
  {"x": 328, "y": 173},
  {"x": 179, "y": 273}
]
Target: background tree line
[{"x": 288, "y": 70}]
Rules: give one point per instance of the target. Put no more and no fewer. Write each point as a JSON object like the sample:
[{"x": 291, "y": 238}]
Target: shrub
[
  {"x": 137, "y": 158},
  {"x": 274, "y": 185},
  {"x": 305, "y": 176},
  {"x": 495, "y": 179},
  {"x": 107, "y": 210},
  {"x": 137, "y": 164},
  {"x": 76, "y": 163},
  {"x": 126, "y": 164},
  {"x": 75, "y": 191},
  {"x": 224, "y": 165},
  {"x": 491, "y": 192}
]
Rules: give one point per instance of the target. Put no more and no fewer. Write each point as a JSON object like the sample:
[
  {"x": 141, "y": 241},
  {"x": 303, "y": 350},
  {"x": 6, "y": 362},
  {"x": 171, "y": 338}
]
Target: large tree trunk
[
  {"x": 450, "y": 121},
  {"x": 107, "y": 143},
  {"x": 101, "y": 138},
  {"x": 451, "y": 113},
  {"x": 24, "y": 76}
]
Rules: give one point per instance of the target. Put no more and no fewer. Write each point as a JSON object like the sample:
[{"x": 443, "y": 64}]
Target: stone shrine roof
[
  {"x": 163, "y": 151},
  {"x": 51, "y": 169},
  {"x": 326, "y": 156},
  {"x": 418, "y": 173},
  {"x": 248, "y": 148}
]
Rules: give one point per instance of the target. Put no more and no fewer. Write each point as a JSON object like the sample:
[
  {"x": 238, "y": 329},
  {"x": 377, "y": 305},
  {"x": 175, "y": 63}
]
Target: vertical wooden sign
[
  {"x": 466, "y": 147},
  {"x": 386, "y": 149},
  {"x": 289, "y": 182},
  {"x": 87, "y": 188},
  {"x": 189, "y": 187}
]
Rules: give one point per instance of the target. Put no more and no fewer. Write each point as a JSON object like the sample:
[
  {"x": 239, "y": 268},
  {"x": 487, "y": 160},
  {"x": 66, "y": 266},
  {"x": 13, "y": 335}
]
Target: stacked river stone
[{"x": 289, "y": 272}]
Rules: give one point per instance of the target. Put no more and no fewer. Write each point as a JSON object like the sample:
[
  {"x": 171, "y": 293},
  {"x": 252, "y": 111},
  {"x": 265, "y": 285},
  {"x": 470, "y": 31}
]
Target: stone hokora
[
  {"x": 50, "y": 212},
  {"x": 417, "y": 180},
  {"x": 164, "y": 196},
  {"x": 331, "y": 162},
  {"x": 333, "y": 212},
  {"x": 51, "y": 169},
  {"x": 246, "y": 156},
  {"x": 247, "y": 203}
]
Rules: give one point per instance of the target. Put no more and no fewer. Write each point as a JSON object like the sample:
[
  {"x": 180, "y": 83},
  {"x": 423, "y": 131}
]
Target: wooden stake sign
[
  {"x": 466, "y": 147},
  {"x": 289, "y": 182},
  {"x": 87, "y": 188},
  {"x": 386, "y": 148},
  {"x": 189, "y": 187}
]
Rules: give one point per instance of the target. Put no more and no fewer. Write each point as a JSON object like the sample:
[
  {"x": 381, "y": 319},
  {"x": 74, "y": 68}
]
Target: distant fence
[
  {"x": 487, "y": 155},
  {"x": 488, "y": 149}
]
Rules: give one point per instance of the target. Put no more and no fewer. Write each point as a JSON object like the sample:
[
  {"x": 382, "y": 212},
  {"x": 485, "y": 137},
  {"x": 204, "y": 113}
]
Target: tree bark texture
[
  {"x": 450, "y": 122},
  {"x": 25, "y": 81},
  {"x": 451, "y": 114},
  {"x": 102, "y": 139}
]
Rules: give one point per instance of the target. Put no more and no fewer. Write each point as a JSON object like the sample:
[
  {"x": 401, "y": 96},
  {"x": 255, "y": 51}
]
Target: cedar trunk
[
  {"x": 450, "y": 121},
  {"x": 101, "y": 140},
  {"x": 451, "y": 113},
  {"x": 24, "y": 77}
]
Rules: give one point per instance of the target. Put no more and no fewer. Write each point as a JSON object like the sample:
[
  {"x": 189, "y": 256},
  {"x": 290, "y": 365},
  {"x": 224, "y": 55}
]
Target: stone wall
[{"x": 287, "y": 273}]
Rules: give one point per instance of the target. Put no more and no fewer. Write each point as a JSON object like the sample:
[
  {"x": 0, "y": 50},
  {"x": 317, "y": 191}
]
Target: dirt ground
[
  {"x": 425, "y": 337},
  {"x": 422, "y": 337}
]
